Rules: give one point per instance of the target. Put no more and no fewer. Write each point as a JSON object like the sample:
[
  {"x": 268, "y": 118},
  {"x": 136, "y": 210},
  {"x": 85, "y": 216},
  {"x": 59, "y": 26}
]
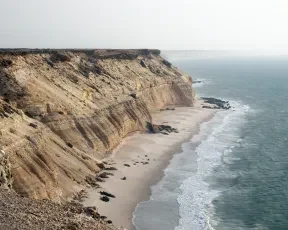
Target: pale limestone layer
[{"x": 88, "y": 100}]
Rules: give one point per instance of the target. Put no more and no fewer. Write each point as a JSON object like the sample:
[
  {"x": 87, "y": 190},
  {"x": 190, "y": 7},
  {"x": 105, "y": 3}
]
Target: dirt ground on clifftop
[{"x": 17, "y": 212}]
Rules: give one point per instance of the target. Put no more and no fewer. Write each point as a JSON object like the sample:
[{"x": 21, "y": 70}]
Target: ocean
[{"x": 234, "y": 173}]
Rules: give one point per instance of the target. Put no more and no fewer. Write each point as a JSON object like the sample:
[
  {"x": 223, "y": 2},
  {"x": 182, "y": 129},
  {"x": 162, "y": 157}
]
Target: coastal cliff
[{"x": 62, "y": 111}]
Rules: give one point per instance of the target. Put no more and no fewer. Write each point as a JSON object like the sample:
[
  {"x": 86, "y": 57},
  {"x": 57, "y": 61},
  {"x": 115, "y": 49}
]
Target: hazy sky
[{"x": 163, "y": 24}]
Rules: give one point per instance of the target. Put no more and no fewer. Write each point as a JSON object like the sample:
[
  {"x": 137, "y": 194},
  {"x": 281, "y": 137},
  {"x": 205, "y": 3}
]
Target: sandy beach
[{"x": 147, "y": 155}]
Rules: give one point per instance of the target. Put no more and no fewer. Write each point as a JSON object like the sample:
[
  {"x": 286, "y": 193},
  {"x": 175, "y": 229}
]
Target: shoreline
[{"x": 153, "y": 152}]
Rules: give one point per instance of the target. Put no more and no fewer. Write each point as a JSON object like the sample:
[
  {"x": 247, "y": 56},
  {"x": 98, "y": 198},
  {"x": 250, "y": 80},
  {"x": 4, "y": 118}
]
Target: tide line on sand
[{"x": 140, "y": 161}]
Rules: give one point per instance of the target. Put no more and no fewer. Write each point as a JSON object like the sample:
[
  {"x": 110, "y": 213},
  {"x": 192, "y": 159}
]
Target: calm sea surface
[{"x": 234, "y": 173}]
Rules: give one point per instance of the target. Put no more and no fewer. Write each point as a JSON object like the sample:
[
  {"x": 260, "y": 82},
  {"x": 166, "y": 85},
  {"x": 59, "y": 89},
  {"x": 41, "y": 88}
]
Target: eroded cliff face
[{"x": 64, "y": 111}]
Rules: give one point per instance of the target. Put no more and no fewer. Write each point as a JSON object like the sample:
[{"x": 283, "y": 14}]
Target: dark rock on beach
[
  {"x": 172, "y": 109},
  {"x": 105, "y": 198},
  {"x": 103, "y": 193},
  {"x": 164, "y": 133},
  {"x": 164, "y": 129},
  {"x": 101, "y": 165},
  {"x": 98, "y": 179},
  {"x": 210, "y": 107},
  {"x": 111, "y": 168},
  {"x": 105, "y": 175}
]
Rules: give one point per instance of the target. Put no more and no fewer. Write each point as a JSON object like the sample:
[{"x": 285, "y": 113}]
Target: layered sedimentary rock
[
  {"x": 62, "y": 111},
  {"x": 5, "y": 170}
]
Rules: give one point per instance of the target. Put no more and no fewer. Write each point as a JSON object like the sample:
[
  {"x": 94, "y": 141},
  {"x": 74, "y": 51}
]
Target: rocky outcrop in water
[
  {"x": 62, "y": 111},
  {"x": 217, "y": 103}
]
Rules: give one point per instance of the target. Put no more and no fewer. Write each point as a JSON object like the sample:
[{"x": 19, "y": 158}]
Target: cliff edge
[{"x": 62, "y": 111}]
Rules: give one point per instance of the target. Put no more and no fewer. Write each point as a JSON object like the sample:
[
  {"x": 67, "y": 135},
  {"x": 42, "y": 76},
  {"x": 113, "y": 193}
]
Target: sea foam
[
  {"x": 219, "y": 136},
  {"x": 182, "y": 200},
  {"x": 201, "y": 83}
]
